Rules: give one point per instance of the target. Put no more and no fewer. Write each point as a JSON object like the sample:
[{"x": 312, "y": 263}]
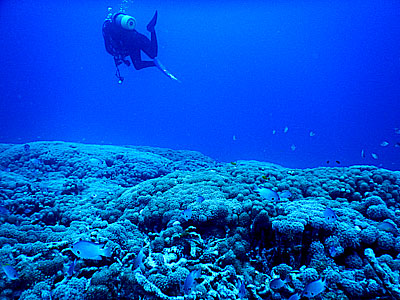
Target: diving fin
[
  {"x": 152, "y": 23},
  {"x": 162, "y": 68}
]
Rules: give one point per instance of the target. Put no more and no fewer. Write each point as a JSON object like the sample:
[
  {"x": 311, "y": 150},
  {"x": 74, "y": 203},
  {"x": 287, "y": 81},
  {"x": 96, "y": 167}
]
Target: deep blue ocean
[{"x": 327, "y": 71}]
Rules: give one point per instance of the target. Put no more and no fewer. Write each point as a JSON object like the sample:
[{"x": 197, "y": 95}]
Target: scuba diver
[{"x": 122, "y": 40}]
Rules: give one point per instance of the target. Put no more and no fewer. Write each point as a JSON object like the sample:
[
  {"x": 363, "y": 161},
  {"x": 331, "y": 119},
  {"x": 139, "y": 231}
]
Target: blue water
[{"x": 246, "y": 70}]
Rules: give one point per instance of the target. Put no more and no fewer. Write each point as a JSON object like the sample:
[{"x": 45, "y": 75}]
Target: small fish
[
  {"x": 11, "y": 273},
  {"x": 234, "y": 138},
  {"x": 384, "y": 144},
  {"x": 187, "y": 214},
  {"x": 96, "y": 162},
  {"x": 242, "y": 289},
  {"x": 397, "y": 145},
  {"x": 397, "y": 130},
  {"x": 233, "y": 163},
  {"x": 332, "y": 251},
  {"x": 293, "y": 147},
  {"x": 277, "y": 283},
  {"x": 90, "y": 250},
  {"x": 327, "y": 161},
  {"x": 330, "y": 215},
  {"x": 314, "y": 288},
  {"x": 27, "y": 147},
  {"x": 374, "y": 155},
  {"x": 189, "y": 281},
  {"x": 337, "y": 161},
  {"x": 265, "y": 177},
  {"x": 311, "y": 134},
  {"x": 388, "y": 227},
  {"x": 362, "y": 153},
  {"x": 273, "y": 131},
  {"x": 285, "y": 194},
  {"x": 267, "y": 194},
  {"x": 200, "y": 199},
  {"x": 294, "y": 297},
  {"x": 4, "y": 211}
]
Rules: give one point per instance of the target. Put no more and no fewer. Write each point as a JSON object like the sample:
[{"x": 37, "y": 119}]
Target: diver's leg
[
  {"x": 150, "y": 47},
  {"x": 153, "y": 41},
  {"x": 138, "y": 63},
  {"x": 152, "y": 23}
]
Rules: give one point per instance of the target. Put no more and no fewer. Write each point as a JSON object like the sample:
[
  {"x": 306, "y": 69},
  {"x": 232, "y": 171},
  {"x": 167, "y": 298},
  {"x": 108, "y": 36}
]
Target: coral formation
[{"x": 179, "y": 225}]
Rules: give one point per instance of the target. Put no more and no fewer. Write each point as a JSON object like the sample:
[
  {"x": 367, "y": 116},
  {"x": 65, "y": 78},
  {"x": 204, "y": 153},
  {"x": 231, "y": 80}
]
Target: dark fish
[
  {"x": 397, "y": 145},
  {"x": 338, "y": 162},
  {"x": 285, "y": 194},
  {"x": 189, "y": 281},
  {"x": 11, "y": 273},
  {"x": 327, "y": 161},
  {"x": 242, "y": 289},
  {"x": 27, "y": 148},
  {"x": 332, "y": 251},
  {"x": 329, "y": 215},
  {"x": 200, "y": 199},
  {"x": 138, "y": 263},
  {"x": 388, "y": 227},
  {"x": 294, "y": 297},
  {"x": 187, "y": 214},
  {"x": 71, "y": 268},
  {"x": 277, "y": 283},
  {"x": 4, "y": 211},
  {"x": 362, "y": 153}
]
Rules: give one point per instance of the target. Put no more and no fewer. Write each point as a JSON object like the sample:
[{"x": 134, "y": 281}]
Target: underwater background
[
  {"x": 269, "y": 171},
  {"x": 326, "y": 71}
]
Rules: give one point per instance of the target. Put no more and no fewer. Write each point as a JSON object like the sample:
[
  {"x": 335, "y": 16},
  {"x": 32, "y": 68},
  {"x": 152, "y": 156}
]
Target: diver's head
[{"x": 125, "y": 21}]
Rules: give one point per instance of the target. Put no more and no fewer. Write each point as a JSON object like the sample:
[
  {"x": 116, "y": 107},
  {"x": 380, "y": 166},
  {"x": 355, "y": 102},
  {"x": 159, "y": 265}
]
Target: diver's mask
[{"x": 125, "y": 21}]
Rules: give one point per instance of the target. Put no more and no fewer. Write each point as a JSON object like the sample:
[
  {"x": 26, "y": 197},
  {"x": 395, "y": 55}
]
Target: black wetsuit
[{"x": 121, "y": 43}]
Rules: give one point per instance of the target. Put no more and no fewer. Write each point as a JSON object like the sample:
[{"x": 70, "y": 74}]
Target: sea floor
[{"x": 84, "y": 221}]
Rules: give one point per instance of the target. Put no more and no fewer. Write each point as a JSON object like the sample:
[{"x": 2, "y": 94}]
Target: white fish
[
  {"x": 90, "y": 250},
  {"x": 293, "y": 147},
  {"x": 286, "y": 129},
  {"x": 362, "y": 153},
  {"x": 273, "y": 131},
  {"x": 312, "y": 133},
  {"x": 374, "y": 155},
  {"x": 314, "y": 288},
  {"x": 234, "y": 137},
  {"x": 267, "y": 194},
  {"x": 384, "y": 144},
  {"x": 397, "y": 130}
]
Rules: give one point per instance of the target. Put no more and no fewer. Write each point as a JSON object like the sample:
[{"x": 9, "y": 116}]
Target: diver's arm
[
  {"x": 137, "y": 61},
  {"x": 107, "y": 37}
]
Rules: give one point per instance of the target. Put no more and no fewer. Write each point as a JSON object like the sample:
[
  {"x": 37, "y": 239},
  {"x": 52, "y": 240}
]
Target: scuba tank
[{"x": 125, "y": 21}]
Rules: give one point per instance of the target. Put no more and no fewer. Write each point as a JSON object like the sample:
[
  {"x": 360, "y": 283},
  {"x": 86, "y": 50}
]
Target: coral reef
[{"x": 182, "y": 226}]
